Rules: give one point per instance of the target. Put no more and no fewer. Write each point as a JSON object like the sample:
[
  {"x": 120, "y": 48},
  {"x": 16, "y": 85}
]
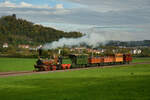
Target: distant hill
[
  {"x": 19, "y": 31},
  {"x": 129, "y": 43}
]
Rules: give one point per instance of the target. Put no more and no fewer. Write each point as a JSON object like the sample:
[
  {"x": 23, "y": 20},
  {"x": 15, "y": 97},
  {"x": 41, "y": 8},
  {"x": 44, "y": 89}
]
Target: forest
[{"x": 16, "y": 31}]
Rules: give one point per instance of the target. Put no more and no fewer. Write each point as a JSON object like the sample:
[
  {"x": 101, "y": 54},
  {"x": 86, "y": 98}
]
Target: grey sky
[{"x": 90, "y": 16}]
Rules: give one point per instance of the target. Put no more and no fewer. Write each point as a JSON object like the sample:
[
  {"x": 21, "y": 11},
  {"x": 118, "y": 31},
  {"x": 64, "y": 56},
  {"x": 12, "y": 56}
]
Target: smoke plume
[
  {"x": 93, "y": 39},
  {"x": 97, "y": 35}
]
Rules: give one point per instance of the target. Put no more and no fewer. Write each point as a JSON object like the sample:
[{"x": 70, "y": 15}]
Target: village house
[
  {"x": 78, "y": 49},
  {"x": 24, "y": 46},
  {"x": 5, "y": 45},
  {"x": 94, "y": 51}
]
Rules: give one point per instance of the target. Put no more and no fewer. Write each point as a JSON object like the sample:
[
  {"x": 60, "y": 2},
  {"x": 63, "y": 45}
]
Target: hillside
[
  {"x": 129, "y": 43},
  {"x": 19, "y": 31}
]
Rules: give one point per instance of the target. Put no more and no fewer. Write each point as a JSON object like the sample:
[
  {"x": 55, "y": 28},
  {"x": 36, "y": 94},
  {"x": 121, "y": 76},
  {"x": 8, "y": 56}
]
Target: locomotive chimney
[{"x": 40, "y": 51}]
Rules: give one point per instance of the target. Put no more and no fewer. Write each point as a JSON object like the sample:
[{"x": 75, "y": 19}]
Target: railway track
[
  {"x": 14, "y": 73},
  {"x": 6, "y": 74}
]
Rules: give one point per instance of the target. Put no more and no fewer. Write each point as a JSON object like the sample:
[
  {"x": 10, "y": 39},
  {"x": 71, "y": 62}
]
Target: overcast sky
[{"x": 112, "y": 19}]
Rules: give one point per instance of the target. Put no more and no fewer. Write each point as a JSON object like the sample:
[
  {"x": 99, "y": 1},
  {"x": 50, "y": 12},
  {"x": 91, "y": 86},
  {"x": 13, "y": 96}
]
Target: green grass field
[
  {"x": 16, "y": 64},
  {"x": 116, "y": 83},
  {"x": 144, "y": 59},
  {"x": 26, "y": 64}
]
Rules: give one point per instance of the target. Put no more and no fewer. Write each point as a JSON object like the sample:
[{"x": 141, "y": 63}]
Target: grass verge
[{"x": 116, "y": 83}]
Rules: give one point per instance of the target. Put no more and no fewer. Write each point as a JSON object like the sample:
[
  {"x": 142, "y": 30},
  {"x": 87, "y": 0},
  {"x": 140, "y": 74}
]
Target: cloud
[
  {"x": 24, "y": 9},
  {"x": 108, "y": 32},
  {"x": 112, "y": 5},
  {"x": 90, "y": 17},
  {"x": 99, "y": 16},
  {"x": 83, "y": 15},
  {"x": 7, "y": 4},
  {"x": 59, "y": 6},
  {"x": 22, "y": 5}
]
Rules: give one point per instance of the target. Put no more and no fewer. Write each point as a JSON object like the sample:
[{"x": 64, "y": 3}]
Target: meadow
[
  {"x": 26, "y": 64},
  {"x": 16, "y": 64},
  {"x": 131, "y": 82},
  {"x": 141, "y": 59}
]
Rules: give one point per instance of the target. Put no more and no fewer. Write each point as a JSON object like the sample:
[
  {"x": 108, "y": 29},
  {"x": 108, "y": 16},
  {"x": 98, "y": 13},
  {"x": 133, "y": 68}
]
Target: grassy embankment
[{"x": 116, "y": 83}]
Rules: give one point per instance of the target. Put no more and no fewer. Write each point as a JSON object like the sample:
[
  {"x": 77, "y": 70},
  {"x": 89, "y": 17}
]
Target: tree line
[{"x": 129, "y": 43}]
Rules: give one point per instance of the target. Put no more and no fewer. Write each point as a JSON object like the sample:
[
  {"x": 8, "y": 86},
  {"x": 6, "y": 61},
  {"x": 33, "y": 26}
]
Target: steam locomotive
[{"x": 80, "y": 61}]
